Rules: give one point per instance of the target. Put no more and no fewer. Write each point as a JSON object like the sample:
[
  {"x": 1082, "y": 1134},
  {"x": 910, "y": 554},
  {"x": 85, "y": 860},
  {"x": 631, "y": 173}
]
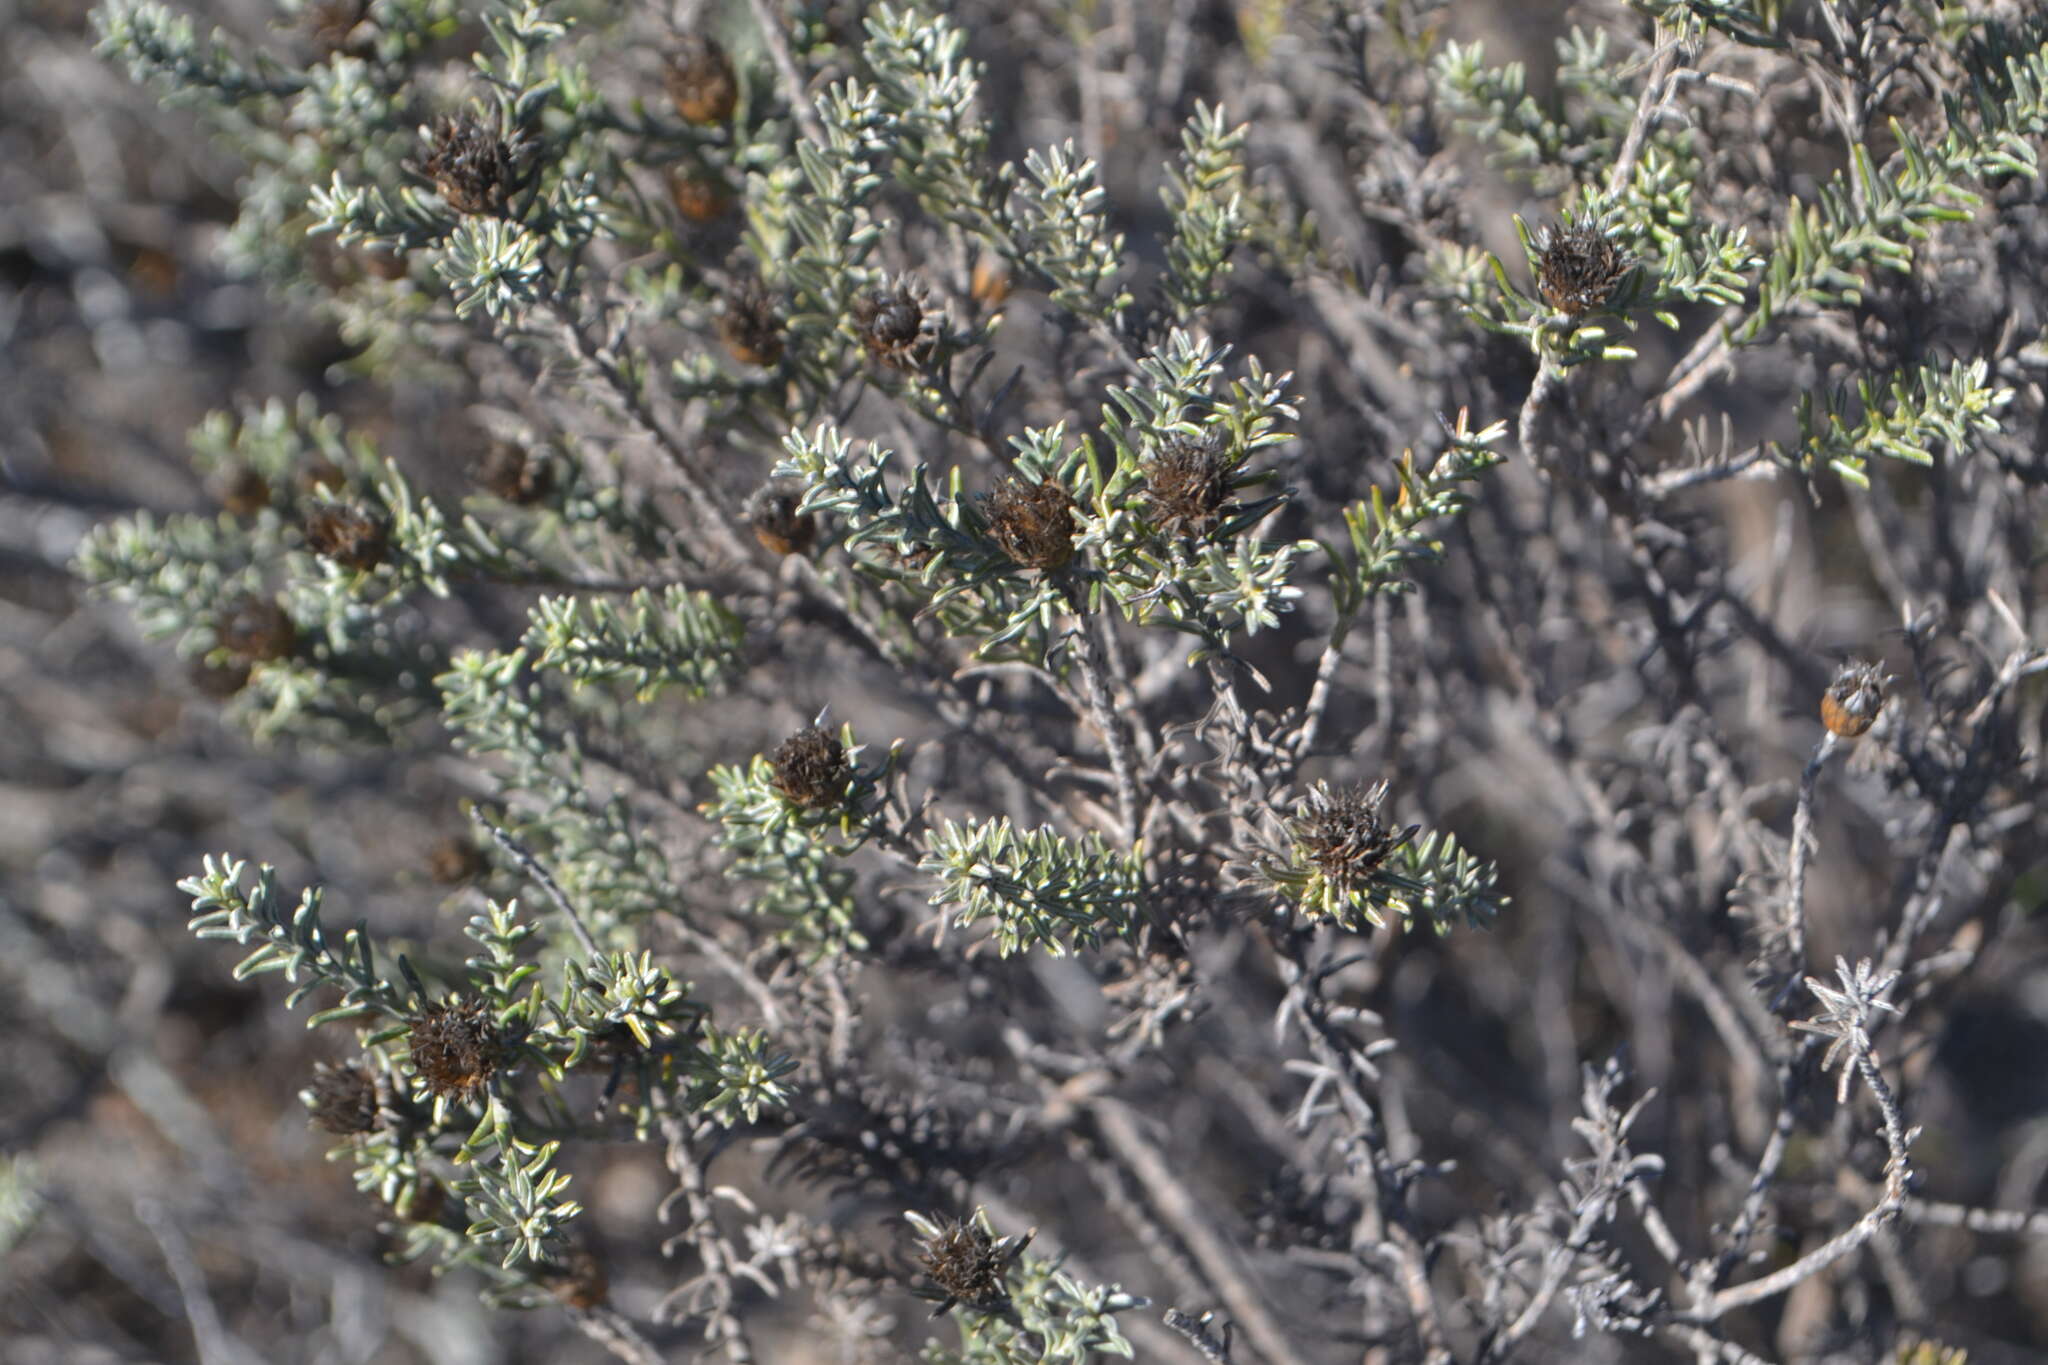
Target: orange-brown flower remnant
[
  {"x": 577, "y": 1278},
  {"x": 1033, "y": 522},
  {"x": 456, "y": 1047},
  {"x": 781, "y": 529},
  {"x": 892, "y": 324},
  {"x": 1189, "y": 481},
  {"x": 1577, "y": 267},
  {"x": 335, "y": 26},
  {"x": 353, "y": 537},
  {"x": 321, "y": 472},
  {"x": 342, "y": 1100},
  {"x": 699, "y": 196},
  {"x": 990, "y": 283},
  {"x": 256, "y": 630},
  {"x": 967, "y": 1265},
  {"x": 512, "y": 472},
  {"x": 472, "y": 168},
  {"x": 1342, "y": 836},
  {"x": 456, "y": 862},
  {"x": 811, "y": 770},
  {"x": 243, "y": 492},
  {"x": 700, "y": 81},
  {"x": 749, "y": 328},
  {"x": 1853, "y": 699}
]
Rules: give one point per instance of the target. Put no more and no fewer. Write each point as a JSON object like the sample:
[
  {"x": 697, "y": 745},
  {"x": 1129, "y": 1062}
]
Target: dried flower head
[
  {"x": 474, "y": 169},
  {"x": 456, "y": 862},
  {"x": 1577, "y": 267},
  {"x": 218, "y": 681},
  {"x": 895, "y": 327},
  {"x": 811, "y": 769},
  {"x": 244, "y": 492},
  {"x": 352, "y": 536},
  {"x": 256, "y": 630},
  {"x": 334, "y": 26},
  {"x": 700, "y": 81},
  {"x": 749, "y": 327},
  {"x": 1033, "y": 522},
  {"x": 1189, "y": 481},
  {"x": 422, "y": 1202},
  {"x": 320, "y": 472},
  {"x": 990, "y": 282},
  {"x": 512, "y": 472},
  {"x": 699, "y": 197},
  {"x": 456, "y": 1047},
  {"x": 342, "y": 1099},
  {"x": 1342, "y": 836},
  {"x": 967, "y": 1264},
  {"x": 577, "y": 1278},
  {"x": 1853, "y": 699},
  {"x": 386, "y": 263},
  {"x": 781, "y": 529}
]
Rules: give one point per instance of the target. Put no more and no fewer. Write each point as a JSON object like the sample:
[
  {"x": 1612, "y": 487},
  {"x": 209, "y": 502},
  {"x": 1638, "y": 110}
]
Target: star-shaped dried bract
[{"x": 1846, "y": 1015}]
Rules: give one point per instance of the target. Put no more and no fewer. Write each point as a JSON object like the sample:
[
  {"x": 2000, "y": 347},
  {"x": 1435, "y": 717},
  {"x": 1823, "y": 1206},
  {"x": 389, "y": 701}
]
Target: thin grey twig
[{"x": 531, "y": 866}]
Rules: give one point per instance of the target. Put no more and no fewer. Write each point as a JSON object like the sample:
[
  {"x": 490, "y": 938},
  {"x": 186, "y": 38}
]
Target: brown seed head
[
  {"x": 352, "y": 536},
  {"x": 1342, "y": 835},
  {"x": 1853, "y": 699},
  {"x": 700, "y": 81},
  {"x": 218, "y": 681},
  {"x": 514, "y": 473},
  {"x": 332, "y": 26},
  {"x": 990, "y": 283},
  {"x": 456, "y": 1047},
  {"x": 473, "y": 169},
  {"x": 893, "y": 327},
  {"x": 777, "y": 524},
  {"x": 321, "y": 472},
  {"x": 243, "y": 492},
  {"x": 1033, "y": 522},
  {"x": 343, "y": 1099},
  {"x": 256, "y": 630},
  {"x": 577, "y": 1278},
  {"x": 698, "y": 196},
  {"x": 967, "y": 1264},
  {"x": 749, "y": 327},
  {"x": 811, "y": 770},
  {"x": 1577, "y": 267},
  {"x": 456, "y": 862},
  {"x": 1189, "y": 481}
]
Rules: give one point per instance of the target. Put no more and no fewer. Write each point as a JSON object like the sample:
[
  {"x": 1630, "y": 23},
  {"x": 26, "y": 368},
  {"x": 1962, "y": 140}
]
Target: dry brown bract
[
  {"x": 810, "y": 769},
  {"x": 700, "y": 81},
  {"x": 1853, "y": 699},
  {"x": 1189, "y": 481},
  {"x": 456, "y": 1047},
  {"x": 256, "y": 630},
  {"x": 893, "y": 327},
  {"x": 780, "y": 528},
  {"x": 476, "y": 171},
  {"x": 344, "y": 1099},
  {"x": 1342, "y": 835},
  {"x": 967, "y": 1265},
  {"x": 1033, "y": 522},
  {"x": 512, "y": 472},
  {"x": 698, "y": 196},
  {"x": 749, "y": 327},
  {"x": 353, "y": 537},
  {"x": 1577, "y": 267}
]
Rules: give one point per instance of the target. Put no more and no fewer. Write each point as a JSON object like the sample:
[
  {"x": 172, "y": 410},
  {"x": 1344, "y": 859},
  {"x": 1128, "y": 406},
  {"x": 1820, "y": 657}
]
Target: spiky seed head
[
  {"x": 966, "y": 1263},
  {"x": 342, "y": 1099},
  {"x": 1341, "y": 834},
  {"x": 811, "y": 769},
  {"x": 1189, "y": 481},
  {"x": 1577, "y": 267},
  {"x": 256, "y": 630},
  {"x": 1853, "y": 699},
  {"x": 456, "y": 1047},
  {"x": 700, "y": 81},
  {"x": 751, "y": 331},
  {"x": 352, "y": 536},
  {"x": 472, "y": 168},
  {"x": 1032, "y": 522},
  {"x": 781, "y": 529},
  {"x": 510, "y": 471},
  {"x": 894, "y": 326}
]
